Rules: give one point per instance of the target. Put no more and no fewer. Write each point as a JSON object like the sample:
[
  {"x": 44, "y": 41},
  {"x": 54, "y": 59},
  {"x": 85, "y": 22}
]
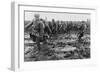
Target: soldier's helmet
[{"x": 36, "y": 15}]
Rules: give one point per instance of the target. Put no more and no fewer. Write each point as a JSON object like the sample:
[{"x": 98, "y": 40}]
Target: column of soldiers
[{"x": 41, "y": 29}]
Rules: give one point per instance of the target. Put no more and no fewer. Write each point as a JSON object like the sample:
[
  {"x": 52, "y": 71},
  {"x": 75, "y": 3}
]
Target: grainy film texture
[{"x": 56, "y": 36}]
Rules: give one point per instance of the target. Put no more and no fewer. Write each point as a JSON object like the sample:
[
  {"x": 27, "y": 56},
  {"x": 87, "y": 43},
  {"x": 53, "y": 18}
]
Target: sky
[{"x": 29, "y": 15}]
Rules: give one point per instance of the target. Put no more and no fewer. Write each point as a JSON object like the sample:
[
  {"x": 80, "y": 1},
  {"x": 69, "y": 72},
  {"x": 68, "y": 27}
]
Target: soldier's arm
[
  {"x": 49, "y": 28},
  {"x": 29, "y": 25}
]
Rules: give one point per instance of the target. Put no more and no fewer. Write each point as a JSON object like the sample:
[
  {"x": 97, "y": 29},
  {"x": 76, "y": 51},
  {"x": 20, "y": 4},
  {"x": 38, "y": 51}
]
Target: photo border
[{"x": 15, "y": 60}]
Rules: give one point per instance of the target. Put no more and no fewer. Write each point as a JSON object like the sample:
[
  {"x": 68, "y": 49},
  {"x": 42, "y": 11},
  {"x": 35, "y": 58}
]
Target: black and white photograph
[{"x": 50, "y": 36}]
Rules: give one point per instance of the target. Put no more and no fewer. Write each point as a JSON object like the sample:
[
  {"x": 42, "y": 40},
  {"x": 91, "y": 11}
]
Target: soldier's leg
[
  {"x": 38, "y": 43},
  {"x": 80, "y": 36}
]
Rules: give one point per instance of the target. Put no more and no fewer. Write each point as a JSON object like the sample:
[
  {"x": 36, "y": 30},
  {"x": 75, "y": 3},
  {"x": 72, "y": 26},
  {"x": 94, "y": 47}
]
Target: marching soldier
[
  {"x": 81, "y": 31},
  {"x": 37, "y": 30}
]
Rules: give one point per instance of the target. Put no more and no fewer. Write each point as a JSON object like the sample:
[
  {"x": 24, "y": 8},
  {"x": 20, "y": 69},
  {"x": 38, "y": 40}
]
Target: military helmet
[{"x": 36, "y": 15}]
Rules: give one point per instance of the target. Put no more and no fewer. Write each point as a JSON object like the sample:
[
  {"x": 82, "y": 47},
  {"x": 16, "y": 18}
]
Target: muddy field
[{"x": 59, "y": 47}]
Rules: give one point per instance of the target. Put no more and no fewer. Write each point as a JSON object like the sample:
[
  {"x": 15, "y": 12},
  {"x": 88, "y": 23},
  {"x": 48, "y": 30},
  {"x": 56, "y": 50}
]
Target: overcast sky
[{"x": 57, "y": 16}]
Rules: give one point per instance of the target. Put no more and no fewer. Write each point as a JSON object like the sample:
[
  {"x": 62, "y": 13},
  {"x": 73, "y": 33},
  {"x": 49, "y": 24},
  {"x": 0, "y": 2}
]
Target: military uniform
[
  {"x": 39, "y": 28},
  {"x": 81, "y": 31}
]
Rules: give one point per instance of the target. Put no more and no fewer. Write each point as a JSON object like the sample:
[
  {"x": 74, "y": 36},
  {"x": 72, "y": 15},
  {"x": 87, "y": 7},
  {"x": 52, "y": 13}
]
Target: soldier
[
  {"x": 81, "y": 31},
  {"x": 37, "y": 33}
]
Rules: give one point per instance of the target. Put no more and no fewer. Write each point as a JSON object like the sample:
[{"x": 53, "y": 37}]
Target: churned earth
[{"x": 59, "y": 47}]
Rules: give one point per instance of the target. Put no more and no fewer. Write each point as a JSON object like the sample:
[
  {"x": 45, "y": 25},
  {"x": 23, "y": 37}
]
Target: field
[{"x": 64, "y": 45}]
